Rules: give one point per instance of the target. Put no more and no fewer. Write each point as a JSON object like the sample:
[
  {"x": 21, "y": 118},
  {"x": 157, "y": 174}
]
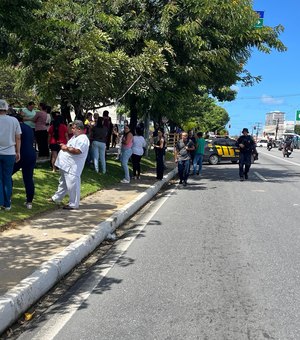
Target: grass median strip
[{"x": 46, "y": 183}]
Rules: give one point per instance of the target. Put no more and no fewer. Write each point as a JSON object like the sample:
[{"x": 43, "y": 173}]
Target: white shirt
[
  {"x": 9, "y": 128},
  {"x": 74, "y": 163},
  {"x": 138, "y": 144}
]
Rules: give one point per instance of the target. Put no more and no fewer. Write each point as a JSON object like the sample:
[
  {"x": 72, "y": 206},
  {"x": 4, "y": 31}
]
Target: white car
[{"x": 262, "y": 143}]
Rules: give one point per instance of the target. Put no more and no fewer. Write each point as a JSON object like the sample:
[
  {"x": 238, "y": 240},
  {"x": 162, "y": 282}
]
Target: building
[{"x": 275, "y": 124}]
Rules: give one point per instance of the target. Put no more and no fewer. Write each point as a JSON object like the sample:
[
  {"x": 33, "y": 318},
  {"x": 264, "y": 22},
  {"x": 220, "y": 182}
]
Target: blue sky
[{"x": 280, "y": 86}]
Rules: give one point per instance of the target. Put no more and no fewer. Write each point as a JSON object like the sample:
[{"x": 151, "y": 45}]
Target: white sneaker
[
  {"x": 28, "y": 205},
  {"x": 125, "y": 181},
  {"x": 7, "y": 208}
]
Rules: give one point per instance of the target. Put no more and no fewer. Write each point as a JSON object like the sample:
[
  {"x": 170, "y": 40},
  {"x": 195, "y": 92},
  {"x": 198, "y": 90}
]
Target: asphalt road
[{"x": 218, "y": 259}]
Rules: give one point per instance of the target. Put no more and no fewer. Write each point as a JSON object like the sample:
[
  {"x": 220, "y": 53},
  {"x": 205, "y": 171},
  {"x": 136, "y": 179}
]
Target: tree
[
  {"x": 15, "y": 16},
  {"x": 297, "y": 129},
  {"x": 153, "y": 56},
  {"x": 11, "y": 87},
  {"x": 209, "y": 42}
]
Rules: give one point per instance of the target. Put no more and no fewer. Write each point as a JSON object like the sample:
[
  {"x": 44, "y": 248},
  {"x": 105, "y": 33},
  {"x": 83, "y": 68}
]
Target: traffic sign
[
  {"x": 260, "y": 14},
  {"x": 298, "y": 115},
  {"x": 259, "y": 23}
]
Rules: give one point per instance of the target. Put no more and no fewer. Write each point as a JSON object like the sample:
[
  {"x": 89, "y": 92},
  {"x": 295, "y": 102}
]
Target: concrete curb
[{"x": 19, "y": 299}]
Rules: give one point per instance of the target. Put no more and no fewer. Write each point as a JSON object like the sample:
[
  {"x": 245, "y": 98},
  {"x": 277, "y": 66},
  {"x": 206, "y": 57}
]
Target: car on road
[
  {"x": 262, "y": 143},
  {"x": 222, "y": 149}
]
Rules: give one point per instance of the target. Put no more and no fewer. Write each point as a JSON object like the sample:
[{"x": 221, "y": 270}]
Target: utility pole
[
  {"x": 277, "y": 126},
  {"x": 258, "y": 126}
]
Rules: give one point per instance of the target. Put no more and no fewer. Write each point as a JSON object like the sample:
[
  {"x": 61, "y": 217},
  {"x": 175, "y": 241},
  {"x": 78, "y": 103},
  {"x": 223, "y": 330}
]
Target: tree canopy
[{"x": 160, "y": 57}]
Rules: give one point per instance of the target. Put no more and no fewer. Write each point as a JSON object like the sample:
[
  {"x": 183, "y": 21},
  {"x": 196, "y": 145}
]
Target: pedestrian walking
[
  {"x": 138, "y": 146},
  {"x": 199, "y": 153},
  {"x": 183, "y": 157},
  {"x": 27, "y": 161},
  {"x": 10, "y": 145},
  {"x": 70, "y": 162},
  {"x": 247, "y": 146}
]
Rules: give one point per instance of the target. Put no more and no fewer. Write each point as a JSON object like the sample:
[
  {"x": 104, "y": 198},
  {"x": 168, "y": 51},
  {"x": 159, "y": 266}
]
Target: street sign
[
  {"x": 260, "y": 14},
  {"x": 298, "y": 115},
  {"x": 260, "y": 21}
]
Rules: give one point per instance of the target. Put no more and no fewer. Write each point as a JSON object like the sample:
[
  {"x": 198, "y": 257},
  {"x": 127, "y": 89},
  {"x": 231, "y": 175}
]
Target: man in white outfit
[{"x": 70, "y": 161}]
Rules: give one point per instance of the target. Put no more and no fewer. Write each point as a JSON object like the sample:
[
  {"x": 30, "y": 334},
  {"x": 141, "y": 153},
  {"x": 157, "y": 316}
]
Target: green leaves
[{"x": 159, "y": 52}]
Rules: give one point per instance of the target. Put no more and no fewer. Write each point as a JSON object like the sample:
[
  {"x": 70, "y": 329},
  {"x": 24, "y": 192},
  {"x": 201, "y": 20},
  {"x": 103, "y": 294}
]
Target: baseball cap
[{"x": 3, "y": 105}]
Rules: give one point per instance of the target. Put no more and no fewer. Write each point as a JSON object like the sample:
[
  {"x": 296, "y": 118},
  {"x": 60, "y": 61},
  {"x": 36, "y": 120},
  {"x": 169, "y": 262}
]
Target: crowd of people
[
  {"x": 28, "y": 133},
  {"x": 69, "y": 147}
]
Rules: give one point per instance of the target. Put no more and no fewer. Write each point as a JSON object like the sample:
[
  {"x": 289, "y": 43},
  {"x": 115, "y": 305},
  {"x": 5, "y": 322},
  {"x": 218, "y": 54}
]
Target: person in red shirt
[{"x": 57, "y": 134}]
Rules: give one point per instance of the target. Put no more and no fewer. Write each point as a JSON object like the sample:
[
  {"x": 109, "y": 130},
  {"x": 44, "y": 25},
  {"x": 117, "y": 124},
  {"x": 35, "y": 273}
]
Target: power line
[{"x": 270, "y": 96}]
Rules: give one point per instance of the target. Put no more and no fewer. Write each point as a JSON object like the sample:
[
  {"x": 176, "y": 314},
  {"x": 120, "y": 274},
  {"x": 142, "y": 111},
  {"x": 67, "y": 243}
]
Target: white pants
[{"x": 68, "y": 184}]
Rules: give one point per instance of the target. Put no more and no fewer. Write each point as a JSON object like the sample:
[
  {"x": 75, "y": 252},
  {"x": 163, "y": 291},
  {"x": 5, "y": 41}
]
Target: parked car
[{"x": 262, "y": 143}]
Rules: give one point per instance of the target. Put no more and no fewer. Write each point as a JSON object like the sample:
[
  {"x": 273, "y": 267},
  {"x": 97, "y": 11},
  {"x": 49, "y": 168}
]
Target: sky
[{"x": 279, "y": 89}]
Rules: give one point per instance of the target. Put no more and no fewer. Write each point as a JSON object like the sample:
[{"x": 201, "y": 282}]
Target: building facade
[{"x": 275, "y": 124}]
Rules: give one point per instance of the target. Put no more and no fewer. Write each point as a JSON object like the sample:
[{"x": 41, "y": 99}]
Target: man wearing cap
[
  {"x": 10, "y": 144},
  {"x": 247, "y": 145},
  {"x": 70, "y": 161}
]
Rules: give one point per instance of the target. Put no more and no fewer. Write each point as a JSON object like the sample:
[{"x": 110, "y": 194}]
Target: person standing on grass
[
  {"x": 199, "y": 153},
  {"x": 57, "y": 134},
  {"x": 183, "y": 157},
  {"x": 41, "y": 133},
  {"x": 70, "y": 162},
  {"x": 98, "y": 138},
  {"x": 10, "y": 145},
  {"x": 126, "y": 152},
  {"x": 138, "y": 146},
  {"x": 107, "y": 123},
  {"x": 27, "y": 161}
]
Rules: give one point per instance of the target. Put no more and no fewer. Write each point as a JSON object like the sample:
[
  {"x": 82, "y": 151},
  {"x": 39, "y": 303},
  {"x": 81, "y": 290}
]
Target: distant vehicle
[
  {"x": 222, "y": 149},
  {"x": 262, "y": 143}
]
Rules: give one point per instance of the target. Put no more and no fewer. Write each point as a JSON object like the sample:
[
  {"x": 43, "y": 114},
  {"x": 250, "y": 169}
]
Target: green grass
[{"x": 46, "y": 184}]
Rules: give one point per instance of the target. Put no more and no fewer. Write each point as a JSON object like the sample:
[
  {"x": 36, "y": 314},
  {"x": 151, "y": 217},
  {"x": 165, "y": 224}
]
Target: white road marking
[
  {"x": 59, "y": 320},
  {"x": 260, "y": 176},
  {"x": 281, "y": 158}
]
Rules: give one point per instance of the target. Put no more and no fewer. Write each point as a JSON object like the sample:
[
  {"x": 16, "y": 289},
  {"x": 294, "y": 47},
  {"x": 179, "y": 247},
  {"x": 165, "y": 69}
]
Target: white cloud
[
  {"x": 235, "y": 88},
  {"x": 266, "y": 99}
]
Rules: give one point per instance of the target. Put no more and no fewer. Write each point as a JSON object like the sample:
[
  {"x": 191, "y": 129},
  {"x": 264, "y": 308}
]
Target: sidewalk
[{"x": 36, "y": 250}]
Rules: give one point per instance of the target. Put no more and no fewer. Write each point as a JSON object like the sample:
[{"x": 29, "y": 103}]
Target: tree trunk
[
  {"x": 65, "y": 110},
  {"x": 78, "y": 111},
  {"x": 133, "y": 112},
  {"x": 65, "y": 107}
]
